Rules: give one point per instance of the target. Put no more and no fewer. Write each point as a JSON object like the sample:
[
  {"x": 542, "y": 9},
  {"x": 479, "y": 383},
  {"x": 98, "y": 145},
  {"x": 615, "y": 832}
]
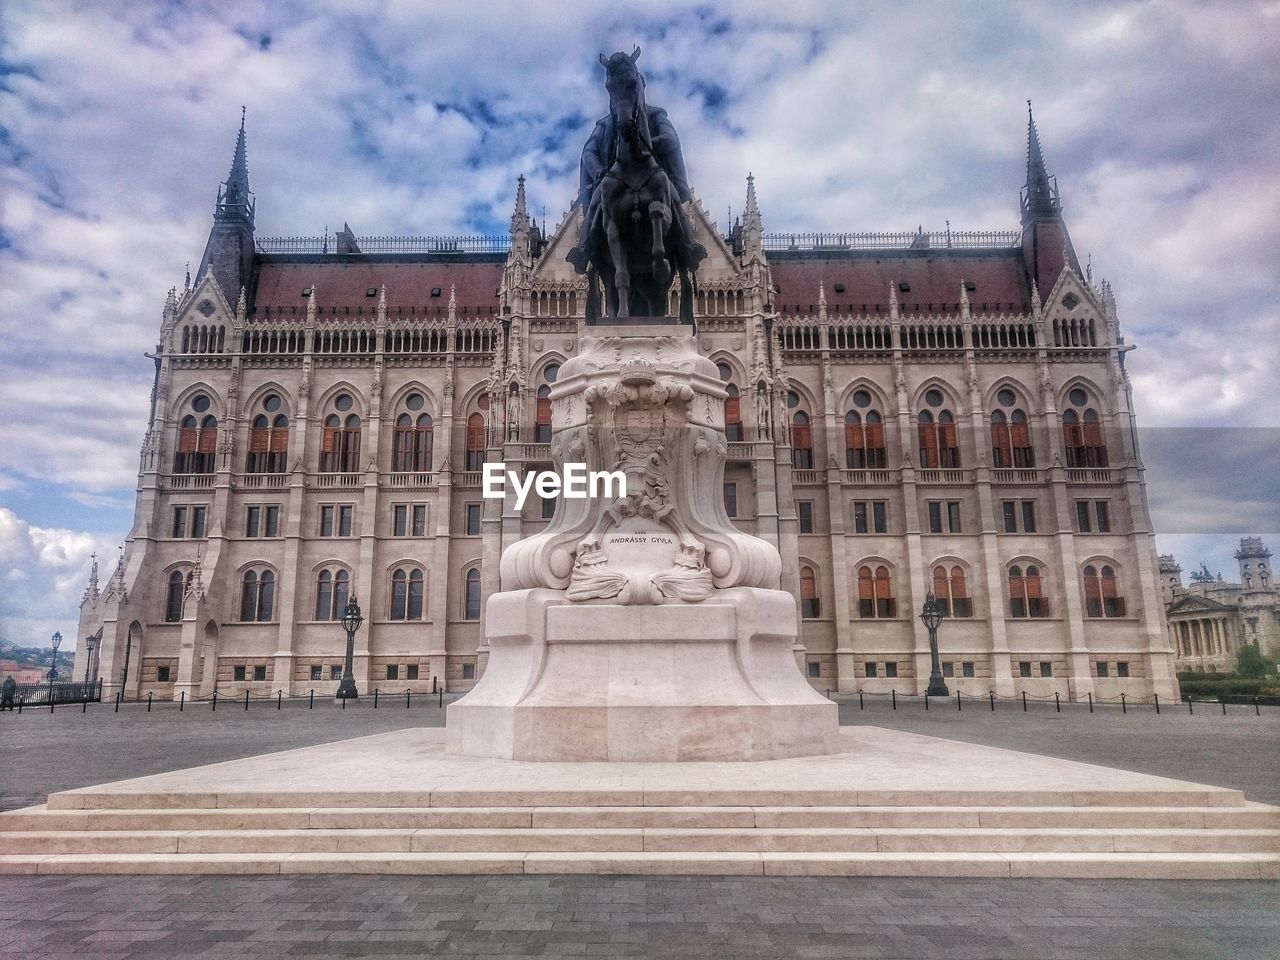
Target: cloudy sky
[{"x": 117, "y": 121}]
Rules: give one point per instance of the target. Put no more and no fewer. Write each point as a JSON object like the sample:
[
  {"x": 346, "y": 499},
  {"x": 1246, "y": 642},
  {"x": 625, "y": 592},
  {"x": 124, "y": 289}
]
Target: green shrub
[{"x": 1243, "y": 686}]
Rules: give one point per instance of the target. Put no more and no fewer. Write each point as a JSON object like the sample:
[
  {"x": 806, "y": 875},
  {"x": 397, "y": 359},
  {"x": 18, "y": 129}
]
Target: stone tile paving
[
  {"x": 332, "y": 917},
  {"x": 723, "y": 918}
]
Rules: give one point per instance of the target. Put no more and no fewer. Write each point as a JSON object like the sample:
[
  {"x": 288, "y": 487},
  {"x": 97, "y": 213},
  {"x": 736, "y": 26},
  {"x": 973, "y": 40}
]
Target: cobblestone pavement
[
  {"x": 112, "y": 918},
  {"x": 195, "y": 917}
]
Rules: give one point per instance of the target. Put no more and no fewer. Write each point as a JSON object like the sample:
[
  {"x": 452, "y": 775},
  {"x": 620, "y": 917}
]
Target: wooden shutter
[
  {"x": 802, "y": 436},
  {"x": 854, "y": 440},
  {"x": 330, "y": 443},
  {"x": 929, "y": 445},
  {"x": 260, "y": 440},
  {"x": 1021, "y": 434},
  {"x": 941, "y": 587},
  {"x": 958, "y": 587},
  {"x": 475, "y": 433},
  {"x": 279, "y": 440},
  {"x": 208, "y": 442},
  {"x": 187, "y": 440},
  {"x": 733, "y": 410},
  {"x": 1000, "y": 444}
]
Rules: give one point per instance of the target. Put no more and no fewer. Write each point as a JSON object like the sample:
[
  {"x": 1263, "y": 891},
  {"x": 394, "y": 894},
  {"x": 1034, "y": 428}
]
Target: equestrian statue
[{"x": 635, "y": 237}]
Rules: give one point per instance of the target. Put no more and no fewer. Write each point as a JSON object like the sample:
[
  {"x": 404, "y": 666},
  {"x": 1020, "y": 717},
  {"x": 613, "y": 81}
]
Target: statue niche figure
[{"x": 635, "y": 237}]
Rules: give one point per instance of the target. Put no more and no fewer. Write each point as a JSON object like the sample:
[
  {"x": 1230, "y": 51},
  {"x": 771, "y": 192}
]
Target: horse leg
[
  {"x": 660, "y": 217},
  {"x": 621, "y": 273}
]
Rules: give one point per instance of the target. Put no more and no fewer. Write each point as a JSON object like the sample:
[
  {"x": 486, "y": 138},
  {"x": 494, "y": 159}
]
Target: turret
[
  {"x": 229, "y": 252},
  {"x": 1255, "y": 563},
  {"x": 1170, "y": 578}
]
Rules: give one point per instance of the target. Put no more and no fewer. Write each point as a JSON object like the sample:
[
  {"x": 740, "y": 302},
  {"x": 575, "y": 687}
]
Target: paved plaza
[{"x": 172, "y": 917}]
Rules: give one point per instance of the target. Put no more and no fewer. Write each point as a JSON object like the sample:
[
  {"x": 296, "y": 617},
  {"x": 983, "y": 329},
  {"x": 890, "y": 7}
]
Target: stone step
[
  {"x": 1247, "y": 816},
  {"x": 103, "y": 799},
  {"x": 1056, "y": 864},
  {"x": 652, "y": 840}
]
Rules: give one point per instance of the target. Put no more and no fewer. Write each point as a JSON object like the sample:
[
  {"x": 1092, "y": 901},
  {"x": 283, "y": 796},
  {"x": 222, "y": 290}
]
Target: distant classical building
[
  {"x": 908, "y": 412},
  {"x": 1210, "y": 620}
]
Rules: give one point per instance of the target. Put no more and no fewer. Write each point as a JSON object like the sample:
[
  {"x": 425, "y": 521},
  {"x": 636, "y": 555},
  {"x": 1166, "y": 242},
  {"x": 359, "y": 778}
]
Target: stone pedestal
[
  {"x": 642, "y": 626},
  {"x": 714, "y": 680}
]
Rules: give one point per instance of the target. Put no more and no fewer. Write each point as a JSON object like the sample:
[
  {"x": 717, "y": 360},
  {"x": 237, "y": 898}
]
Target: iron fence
[{"x": 31, "y": 694}]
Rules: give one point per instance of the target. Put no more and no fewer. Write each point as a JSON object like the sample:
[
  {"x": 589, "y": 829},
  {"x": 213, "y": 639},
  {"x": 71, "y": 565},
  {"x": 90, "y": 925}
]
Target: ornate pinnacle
[{"x": 311, "y": 304}]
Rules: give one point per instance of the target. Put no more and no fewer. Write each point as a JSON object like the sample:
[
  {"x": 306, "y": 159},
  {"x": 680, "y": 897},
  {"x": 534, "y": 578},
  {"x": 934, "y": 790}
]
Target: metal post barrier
[
  {"x": 279, "y": 698},
  {"x": 344, "y": 703},
  {"x": 1057, "y": 702},
  {"x": 992, "y": 695},
  {"x": 85, "y": 707},
  {"x": 117, "y": 710},
  {"x": 1024, "y": 701},
  {"x": 828, "y": 693},
  {"x": 433, "y": 684},
  {"x": 214, "y": 702},
  {"x": 51, "y": 699},
  {"x": 1223, "y": 700},
  {"x": 1157, "y": 696},
  {"x": 1190, "y": 709},
  {"x": 149, "y": 703},
  {"x": 1256, "y": 711},
  {"x": 182, "y": 701},
  {"x": 20, "y": 699},
  {"x": 246, "y": 701},
  {"x": 407, "y": 694},
  {"x": 926, "y": 700},
  {"x": 1124, "y": 707},
  {"x": 441, "y": 704},
  {"x": 1091, "y": 701},
  {"x": 860, "y": 698},
  {"x": 958, "y": 707},
  {"x": 311, "y": 700},
  {"x": 375, "y": 698}
]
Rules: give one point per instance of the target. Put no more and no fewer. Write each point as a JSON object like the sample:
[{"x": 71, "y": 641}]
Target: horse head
[{"x": 626, "y": 94}]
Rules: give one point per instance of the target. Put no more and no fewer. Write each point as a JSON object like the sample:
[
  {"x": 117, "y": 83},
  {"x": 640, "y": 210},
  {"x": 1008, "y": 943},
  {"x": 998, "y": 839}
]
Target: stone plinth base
[{"x": 715, "y": 680}]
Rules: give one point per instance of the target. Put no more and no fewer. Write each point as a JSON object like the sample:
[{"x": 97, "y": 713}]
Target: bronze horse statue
[{"x": 635, "y": 237}]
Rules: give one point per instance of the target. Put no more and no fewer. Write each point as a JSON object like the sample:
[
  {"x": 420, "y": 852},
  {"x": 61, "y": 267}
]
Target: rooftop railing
[
  {"x": 907, "y": 240},
  {"x": 372, "y": 245}
]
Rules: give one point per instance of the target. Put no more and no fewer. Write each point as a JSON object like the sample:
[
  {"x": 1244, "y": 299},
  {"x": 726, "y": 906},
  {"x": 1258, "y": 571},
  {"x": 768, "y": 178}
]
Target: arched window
[
  {"x": 1082, "y": 432},
  {"x": 332, "y": 589},
  {"x": 1011, "y": 441},
  {"x": 875, "y": 593},
  {"x": 471, "y": 595},
  {"x": 810, "y": 603},
  {"x": 340, "y": 452},
  {"x": 1026, "y": 592},
  {"x": 937, "y": 430},
  {"x": 950, "y": 590},
  {"x": 542, "y": 417},
  {"x": 801, "y": 441},
  {"x": 174, "y": 592},
  {"x": 1101, "y": 593},
  {"x": 406, "y": 594},
  {"x": 269, "y": 438},
  {"x": 475, "y": 442},
  {"x": 732, "y": 413},
  {"x": 197, "y": 439},
  {"x": 257, "y": 596},
  {"x": 864, "y": 435},
  {"x": 413, "y": 438}
]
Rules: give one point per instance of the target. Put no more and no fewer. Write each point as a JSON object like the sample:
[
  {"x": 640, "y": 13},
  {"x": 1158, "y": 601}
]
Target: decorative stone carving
[{"x": 651, "y": 408}]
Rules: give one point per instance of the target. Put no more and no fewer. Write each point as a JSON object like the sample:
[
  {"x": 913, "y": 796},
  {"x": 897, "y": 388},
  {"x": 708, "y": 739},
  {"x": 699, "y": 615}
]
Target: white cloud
[{"x": 43, "y": 572}]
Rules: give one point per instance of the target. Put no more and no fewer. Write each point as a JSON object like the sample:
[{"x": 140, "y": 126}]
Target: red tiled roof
[
  {"x": 342, "y": 287},
  {"x": 1000, "y": 280}
]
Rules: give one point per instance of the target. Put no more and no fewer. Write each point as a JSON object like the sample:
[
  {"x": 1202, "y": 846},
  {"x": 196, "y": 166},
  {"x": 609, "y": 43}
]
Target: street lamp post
[
  {"x": 351, "y": 620},
  {"x": 56, "y": 641},
  {"x": 90, "y": 644},
  {"x": 931, "y": 617}
]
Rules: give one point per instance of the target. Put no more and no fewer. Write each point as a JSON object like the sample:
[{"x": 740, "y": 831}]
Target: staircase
[{"x": 894, "y": 805}]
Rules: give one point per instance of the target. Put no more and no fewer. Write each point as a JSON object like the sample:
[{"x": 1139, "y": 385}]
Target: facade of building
[
  {"x": 1210, "y": 620},
  {"x": 908, "y": 412}
]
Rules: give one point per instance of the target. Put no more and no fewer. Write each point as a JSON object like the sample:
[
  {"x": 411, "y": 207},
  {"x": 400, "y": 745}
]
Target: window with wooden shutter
[
  {"x": 877, "y": 459},
  {"x": 403, "y": 444},
  {"x": 801, "y": 442},
  {"x": 1091, "y": 435},
  {"x": 928, "y": 431},
  {"x": 475, "y": 442},
  {"x": 542, "y": 418},
  {"x": 810, "y": 604},
  {"x": 1001, "y": 443},
  {"x": 855, "y": 446},
  {"x": 885, "y": 605},
  {"x": 1037, "y": 602},
  {"x": 948, "y": 447},
  {"x": 1024, "y": 456},
  {"x": 866, "y": 593},
  {"x": 733, "y": 414},
  {"x": 1092, "y": 592}
]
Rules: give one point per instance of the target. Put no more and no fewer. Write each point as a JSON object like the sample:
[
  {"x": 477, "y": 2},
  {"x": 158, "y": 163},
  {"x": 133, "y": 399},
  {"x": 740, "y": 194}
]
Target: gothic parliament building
[{"x": 908, "y": 412}]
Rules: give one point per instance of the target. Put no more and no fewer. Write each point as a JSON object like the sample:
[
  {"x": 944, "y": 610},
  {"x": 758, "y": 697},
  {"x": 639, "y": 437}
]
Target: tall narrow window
[
  {"x": 475, "y": 442},
  {"x": 269, "y": 439},
  {"x": 471, "y": 597},
  {"x": 249, "y": 597},
  {"x": 731, "y": 499},
  {"x": 542, "y": 419},
  {"x": 406, "y": 594},
  {"x": 1026, "y": 592},
  {"x": 810, "y": 604},
  {"x": 1101, "y": 592},
  {"x": 173, "y": 596},
  {"x": 197, "y": 439},
  {"x": 732, "y": 414},
  {"x": 801, "y": 441},
  {"x": 340, "y": 447},
  {"x": 863, "y": 435},
  {"x": 804, "y": 513},
  {"x": 257, "y": 596},
  {"x": 951, "y": 591},
  {"x": 1011, "y": 442},
  {"x": 332, "y": 589},
  {"x": 413, "y": 438},
  {"x": 875, "y": 593},
  {"x": 1082, "y": 432}
]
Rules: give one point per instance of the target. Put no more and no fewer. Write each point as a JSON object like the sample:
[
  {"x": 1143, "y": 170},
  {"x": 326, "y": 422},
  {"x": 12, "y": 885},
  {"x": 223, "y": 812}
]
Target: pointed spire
[
  {"x": 893, "y": 300},
  {"x": 964, "y": 300},
  {"x": 822, "y": 302},
  {"x": 170, "y": 307},
  {"x": 1040, "y": 192},
  {"x": 311, "y": 305},
  {"x": 752, "y": 223},
  {"x": 520, "y": 215},
  {"x": 237, "y": 183},
  {"x": 1035, "y": 300},
  {"x": 186, "y": 284},
  {"x": 453, "y": 303},
  {"x": 382, "y": 305},
  {"x": 93, "y": 573},
  {"x": 242, "y": 306}
]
